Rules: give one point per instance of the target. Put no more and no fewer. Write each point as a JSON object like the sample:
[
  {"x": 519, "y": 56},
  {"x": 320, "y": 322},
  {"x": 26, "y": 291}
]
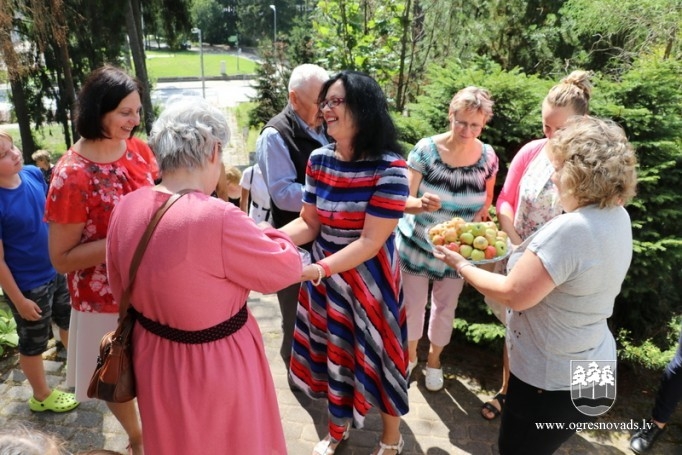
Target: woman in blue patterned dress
[
  {"x": 350, "y": 341},
  {"x": 450, "y": 174}
]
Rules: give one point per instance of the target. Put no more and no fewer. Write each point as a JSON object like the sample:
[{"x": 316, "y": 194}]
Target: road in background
[{"x": 219, "y": 93}]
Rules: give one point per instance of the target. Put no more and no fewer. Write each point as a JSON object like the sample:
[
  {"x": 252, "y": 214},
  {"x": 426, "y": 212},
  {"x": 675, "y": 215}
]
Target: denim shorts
[{"x": 55, "y": 302}]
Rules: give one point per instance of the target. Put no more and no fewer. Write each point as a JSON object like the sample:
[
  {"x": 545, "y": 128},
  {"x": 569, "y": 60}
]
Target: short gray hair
[
  {"x": 186, "y": 133},
  {"x": 473, "y": 98},
  {"x": 304, "y": 73},
  {"x": 21, "y": 440}
]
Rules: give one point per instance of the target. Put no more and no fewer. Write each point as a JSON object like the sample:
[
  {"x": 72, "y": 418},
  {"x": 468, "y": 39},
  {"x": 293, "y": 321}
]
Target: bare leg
[
  {"x": 32, "y": 366},
  {"x": 64, "y": 337},
  {"x": 433, "y": 360},
  {"x": 505, "y": 370},
  {"x": 488, "y": 414},
  {"x": 391, "y": 432},
  {"x": 412, "y": 349},
  {"x": 126, "y": 413}
]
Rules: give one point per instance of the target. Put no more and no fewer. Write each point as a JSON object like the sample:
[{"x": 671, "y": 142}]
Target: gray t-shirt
[{"x": 587, "y": 253}]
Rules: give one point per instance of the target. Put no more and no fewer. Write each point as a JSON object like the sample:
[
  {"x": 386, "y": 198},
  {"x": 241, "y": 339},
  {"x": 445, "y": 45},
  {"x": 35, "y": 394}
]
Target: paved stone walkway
[{"x": 445, "y": 422}]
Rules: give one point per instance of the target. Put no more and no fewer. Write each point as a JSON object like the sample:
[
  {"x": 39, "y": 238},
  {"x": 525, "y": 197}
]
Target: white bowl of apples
[{"x": 479, "y": 242}]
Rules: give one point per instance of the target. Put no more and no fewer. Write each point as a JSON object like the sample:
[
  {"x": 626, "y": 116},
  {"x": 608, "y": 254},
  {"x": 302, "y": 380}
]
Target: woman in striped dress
[
  {"x": 350, "y": 341},
  {"x": 451, "y": 174}
]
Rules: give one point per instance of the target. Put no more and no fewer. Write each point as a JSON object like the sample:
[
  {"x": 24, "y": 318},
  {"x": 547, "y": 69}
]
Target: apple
[
  {"x": 503, "y": 235},
  {"x": 490, "y": 252},
  {"x": 453, "y": 246},
  {"x": 490, "y": 225},
  {"x": 491, "y": 235},
  {"x": 480, "y": 243},
  {"x": 438, "y": 240},
  {"x": 450, "y": 235},
  {"x": 478, "y": 229},
  {"x": 466, "y": 250},
  {"x": 477, "y": 255},
  {"x": 501, "y": 248},
  {"x": 466, "y": 238}
]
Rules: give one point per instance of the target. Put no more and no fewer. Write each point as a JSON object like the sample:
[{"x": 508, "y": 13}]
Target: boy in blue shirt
[{"x": 34, "y": 291}]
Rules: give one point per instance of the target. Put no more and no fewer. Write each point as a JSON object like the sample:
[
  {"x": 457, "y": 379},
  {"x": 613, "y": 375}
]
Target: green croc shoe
[{"x": 58, "y": 401}]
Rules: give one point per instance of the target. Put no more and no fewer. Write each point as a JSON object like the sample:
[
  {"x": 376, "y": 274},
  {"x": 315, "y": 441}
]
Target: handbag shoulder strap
[{"x": 141, "y": 247}]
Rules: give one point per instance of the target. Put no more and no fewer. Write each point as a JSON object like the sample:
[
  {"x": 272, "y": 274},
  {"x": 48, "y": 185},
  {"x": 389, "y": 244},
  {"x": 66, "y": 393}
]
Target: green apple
[
  {"x": 501, "y": 247},
  {"x": 491, "y": 235},
  {"x": 478, "y": 229},
  {"x": 466, "y": 238},
  {"x": 466, "y": 250},
  {"x": 477, "y": 255},
  {"x": 480, "y": 243}
]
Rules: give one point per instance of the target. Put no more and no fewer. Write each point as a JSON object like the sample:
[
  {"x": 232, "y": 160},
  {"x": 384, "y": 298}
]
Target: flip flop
[
  {"x": 500, "y": 398},
  {"x": 57, "y": 401}
]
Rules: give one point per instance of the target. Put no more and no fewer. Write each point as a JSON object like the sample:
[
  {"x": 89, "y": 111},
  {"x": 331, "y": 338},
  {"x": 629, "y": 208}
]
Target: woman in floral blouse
[{"x": 88, "y": 181}]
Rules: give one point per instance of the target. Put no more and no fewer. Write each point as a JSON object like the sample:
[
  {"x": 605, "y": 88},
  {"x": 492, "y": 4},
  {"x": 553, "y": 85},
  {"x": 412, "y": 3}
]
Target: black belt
[
  {"x": 215, "y": 333},
  {"x": 259, "y": 207}
]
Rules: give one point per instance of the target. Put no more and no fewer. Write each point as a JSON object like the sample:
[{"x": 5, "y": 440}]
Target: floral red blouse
[{"x": 83, "y": 191}]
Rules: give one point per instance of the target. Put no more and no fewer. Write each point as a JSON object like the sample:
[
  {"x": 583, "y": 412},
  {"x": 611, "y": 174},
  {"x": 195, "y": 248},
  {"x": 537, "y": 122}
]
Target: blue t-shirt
[{"x": 24, "y": 232}]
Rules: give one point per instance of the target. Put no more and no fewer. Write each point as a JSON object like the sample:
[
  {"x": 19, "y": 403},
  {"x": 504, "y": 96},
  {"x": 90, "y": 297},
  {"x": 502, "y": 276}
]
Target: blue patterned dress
[
  {"x": 462, "y": 191},
  {"x": 350, "y": 341}
]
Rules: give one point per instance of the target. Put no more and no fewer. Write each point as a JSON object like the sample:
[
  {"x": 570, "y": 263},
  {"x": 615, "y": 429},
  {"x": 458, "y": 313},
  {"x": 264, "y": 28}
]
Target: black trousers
[
  {"x": 670, "y": 390},
  {"x": 524, "y": 408}
]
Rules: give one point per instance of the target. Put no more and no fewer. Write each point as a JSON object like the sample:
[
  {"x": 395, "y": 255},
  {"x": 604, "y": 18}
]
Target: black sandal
[{"x": 500, "y": 398}]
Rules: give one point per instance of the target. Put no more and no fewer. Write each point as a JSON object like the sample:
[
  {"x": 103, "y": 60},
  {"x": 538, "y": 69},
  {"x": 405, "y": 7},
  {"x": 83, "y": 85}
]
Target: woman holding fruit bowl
[
  {"x": 451, "y": 174},
  {"x": 528, "y": 198},
  {"x": 561, "y": 294}
]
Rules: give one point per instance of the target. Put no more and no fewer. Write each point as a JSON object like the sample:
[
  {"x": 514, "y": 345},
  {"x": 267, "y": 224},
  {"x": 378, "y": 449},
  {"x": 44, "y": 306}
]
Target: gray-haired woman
[{"x": 199, "y": 392}]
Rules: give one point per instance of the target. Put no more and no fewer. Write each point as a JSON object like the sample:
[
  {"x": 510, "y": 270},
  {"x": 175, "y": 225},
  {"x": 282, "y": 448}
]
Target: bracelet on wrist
[
  {"x": 320, "y": 274},
  {"x": 461, "y": 266},
  {"x": 325, "y": 267}
]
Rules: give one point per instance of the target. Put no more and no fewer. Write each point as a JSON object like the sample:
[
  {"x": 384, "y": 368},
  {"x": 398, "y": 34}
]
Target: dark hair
[
  {"x": 375, "y": 132},
  {"x": 102, "y": 92}
]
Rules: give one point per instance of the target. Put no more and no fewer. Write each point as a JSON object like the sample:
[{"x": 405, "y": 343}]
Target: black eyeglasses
[{"x": 331, "y": 103}]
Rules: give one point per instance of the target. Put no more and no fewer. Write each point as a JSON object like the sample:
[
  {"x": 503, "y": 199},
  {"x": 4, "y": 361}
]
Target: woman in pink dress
[
  {"x": 529, "y": 198},
  {"x": 87, "y": 182},
  {"x": 212, "y": 393}
]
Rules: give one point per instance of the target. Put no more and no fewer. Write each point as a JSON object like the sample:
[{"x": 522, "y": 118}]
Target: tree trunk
[
  {"x": 133, "y": 19},
  {"x": 405, "y": 23},
  {"x": 14, "y": 73},
  {"x": 28, "y": 145},
  {"x": 60, "y": 44}
]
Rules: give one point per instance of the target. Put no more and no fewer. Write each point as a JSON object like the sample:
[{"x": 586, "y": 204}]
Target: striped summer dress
[
  {"x": 350, "y": 341},
  {"x": 462, "y": 193}
]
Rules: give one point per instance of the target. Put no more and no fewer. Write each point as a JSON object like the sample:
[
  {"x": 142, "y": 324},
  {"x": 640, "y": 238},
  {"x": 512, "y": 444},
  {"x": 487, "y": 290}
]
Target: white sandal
[
  {"x": 397, "y": 447},
  {"x": 328, "y": 445}
]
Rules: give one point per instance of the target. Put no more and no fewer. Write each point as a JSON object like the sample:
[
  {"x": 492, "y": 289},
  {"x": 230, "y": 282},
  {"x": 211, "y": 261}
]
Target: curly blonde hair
[
  {"x": 598, "y": 165},
  {"x": 573, "y": 91}
]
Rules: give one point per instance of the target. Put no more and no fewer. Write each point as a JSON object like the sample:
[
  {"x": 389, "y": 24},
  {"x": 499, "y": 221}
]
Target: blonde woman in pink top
[{"x": 529, "y": 198}]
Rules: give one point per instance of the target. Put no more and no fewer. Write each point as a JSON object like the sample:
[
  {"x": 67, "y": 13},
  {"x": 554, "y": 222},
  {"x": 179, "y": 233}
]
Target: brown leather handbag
[{"x": 114, "y": 379}]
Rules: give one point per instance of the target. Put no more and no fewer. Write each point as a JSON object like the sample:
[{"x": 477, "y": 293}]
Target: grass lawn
[
  {"x": 50, "y": 137},
  {"x": 188, "y": 63}
]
